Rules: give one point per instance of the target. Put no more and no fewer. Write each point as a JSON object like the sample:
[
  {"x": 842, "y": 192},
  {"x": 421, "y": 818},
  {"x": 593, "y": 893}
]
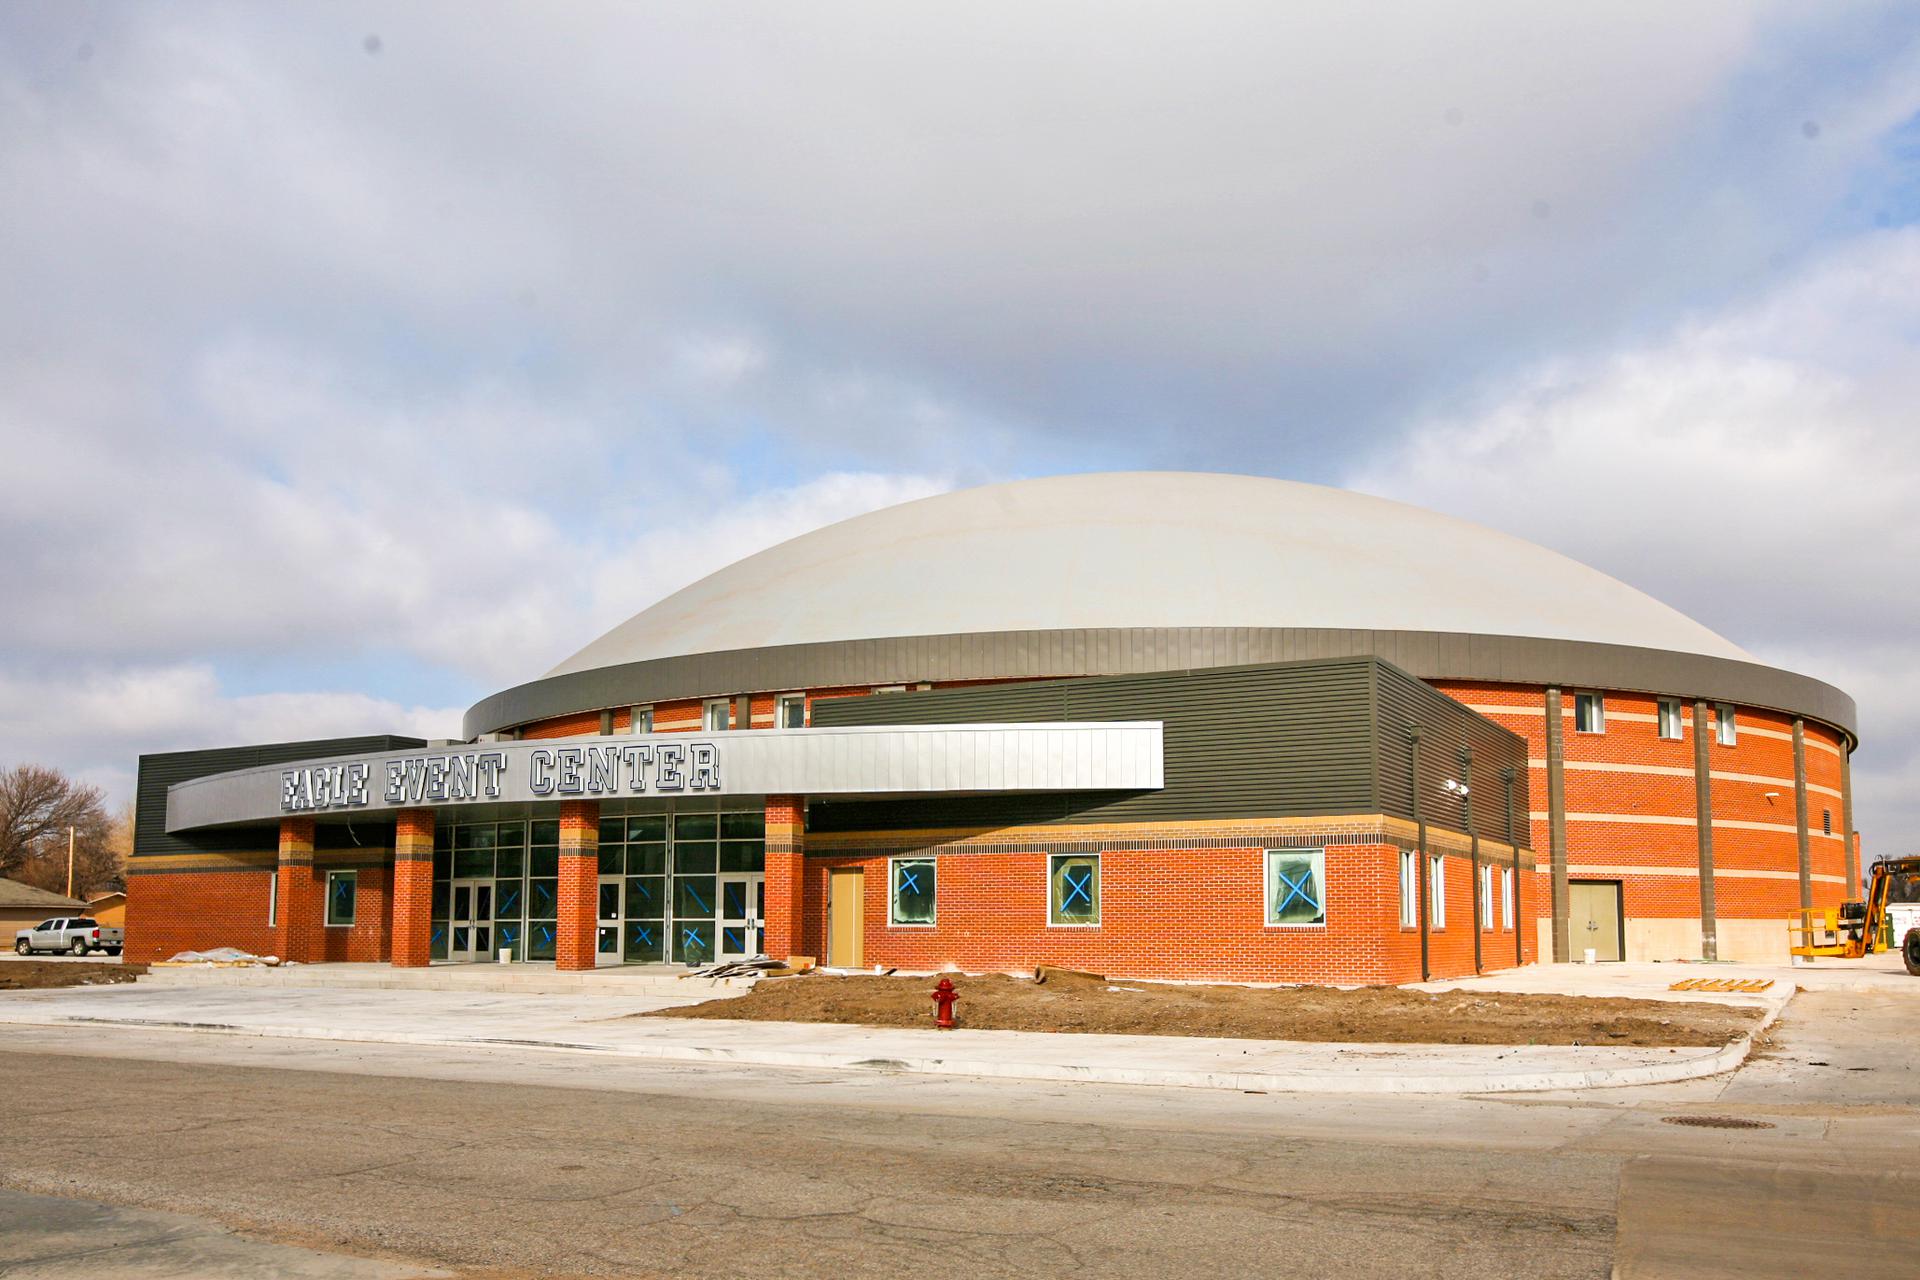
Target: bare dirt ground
[
  {"x": 41, "y": 975},
  {"x": 1378, "y": 1015}
]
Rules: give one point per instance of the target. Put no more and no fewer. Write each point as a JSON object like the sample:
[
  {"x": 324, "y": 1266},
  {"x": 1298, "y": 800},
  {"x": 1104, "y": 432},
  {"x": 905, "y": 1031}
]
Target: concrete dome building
[{"x": 1161, "y": 724}]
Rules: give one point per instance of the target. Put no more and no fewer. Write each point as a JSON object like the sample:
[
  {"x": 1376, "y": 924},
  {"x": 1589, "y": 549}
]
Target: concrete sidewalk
[
  {"x": 600, "y": 1025},
  {"x": 1650, "y": 980}
]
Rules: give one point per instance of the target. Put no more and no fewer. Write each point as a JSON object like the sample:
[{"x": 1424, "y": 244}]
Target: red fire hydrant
[{"x": 943, "y": 997}]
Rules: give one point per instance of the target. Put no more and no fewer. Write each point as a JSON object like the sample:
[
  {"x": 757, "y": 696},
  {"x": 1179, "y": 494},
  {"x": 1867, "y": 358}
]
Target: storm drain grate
[{"x": 1715, "y": 1122}]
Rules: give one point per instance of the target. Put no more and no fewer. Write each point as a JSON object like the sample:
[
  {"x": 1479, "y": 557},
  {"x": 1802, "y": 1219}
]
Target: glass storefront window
[{"x": 667, "y": 863}]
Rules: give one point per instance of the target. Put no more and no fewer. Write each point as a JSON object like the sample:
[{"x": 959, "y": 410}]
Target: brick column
[
  {"x": 579, "y": 905},
  {"x": 299, "y": 911},
  {"x": 786, "y": 859},
  {"x": 412, "y": 888}
]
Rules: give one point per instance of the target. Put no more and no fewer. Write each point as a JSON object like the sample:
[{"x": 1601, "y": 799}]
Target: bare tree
[{"x": 37, "y": 806}]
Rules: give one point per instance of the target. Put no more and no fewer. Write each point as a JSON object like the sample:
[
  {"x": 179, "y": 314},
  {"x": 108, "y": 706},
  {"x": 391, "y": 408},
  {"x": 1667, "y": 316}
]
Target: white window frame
[
  {"x": 1726, "y": 728},
  {"x": 1486, "y": 895},
  {"x": 1409, "y": 890},
  {"x": 725, "y": 706},
  {"x": 327, "y": 910},
  {"x": 1598, "y": 705},
  {"x": 1099, "y": 892},
  {"x": 1665, "y": 708},
  {"x": 1266, "y": 888},
  {"x": 1506, "y": 897},
  {"x": 893, "y": 921},
  {"x": 640, "y": 720},
  {"x": 780, "y": 705},
  {"x": 273, "y": 899},
  {"x": 1436, "y": 891}
]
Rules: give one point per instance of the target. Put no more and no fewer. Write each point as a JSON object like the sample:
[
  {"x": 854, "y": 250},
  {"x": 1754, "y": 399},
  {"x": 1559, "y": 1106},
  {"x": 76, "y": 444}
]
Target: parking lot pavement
[{"x": 52, "y": 1238}]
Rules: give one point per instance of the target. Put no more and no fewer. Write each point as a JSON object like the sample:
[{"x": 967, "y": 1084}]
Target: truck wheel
[
  {"x": 20, "y": 947},
  {"x": 79, "y": 947},
  {"x": 1910, "y": 952}
]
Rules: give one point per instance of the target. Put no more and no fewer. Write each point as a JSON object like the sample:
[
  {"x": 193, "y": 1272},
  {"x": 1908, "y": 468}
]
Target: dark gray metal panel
[
  {"x": 1268, "y": 740},
  {"x": 1426, "y": 654},
  {"x": 160, "y": 770}
]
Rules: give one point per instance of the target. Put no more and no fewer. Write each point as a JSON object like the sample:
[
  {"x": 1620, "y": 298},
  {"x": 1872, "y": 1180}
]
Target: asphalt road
[{"x": 517, "y": 1162}]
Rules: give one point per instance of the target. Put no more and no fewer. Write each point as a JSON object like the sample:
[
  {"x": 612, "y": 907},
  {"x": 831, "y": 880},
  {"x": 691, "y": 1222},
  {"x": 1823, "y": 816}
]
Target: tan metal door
[
  {"x": 846, "y": 918},
  {"x": 1593, "y": 918}
]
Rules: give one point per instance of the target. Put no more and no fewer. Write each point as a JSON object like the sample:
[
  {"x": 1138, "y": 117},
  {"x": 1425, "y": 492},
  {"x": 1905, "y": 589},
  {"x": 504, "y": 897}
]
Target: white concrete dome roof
[{"x": 1146, "y": 550}]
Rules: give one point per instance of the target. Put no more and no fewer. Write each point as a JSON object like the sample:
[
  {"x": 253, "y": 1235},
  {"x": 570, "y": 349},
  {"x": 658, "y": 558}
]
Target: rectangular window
[
  {"x": 343, "y": 891},
  {"x": 1073, "y": 889},
  {"x": 1589, "y": 713},
  {"x": 1437, "y": 891},
  {"x": 1409, "y": 891},
  {"x": 641, "y": 720},
  {"x": 911, "y": 900},
  {"x": 1826, "y": 822},
  {"x": 1506, "y": 897},
  {"x": 790, "y": 711},
  {"x": 1296, "y": 886},
  {"x": 1729, "y": 734},
  {"x": 716, "y": 715},
  {"x": 1486, "y": 895},
  {"x": 273, "y": 900},
  {"x": 1670, "y": 718}
]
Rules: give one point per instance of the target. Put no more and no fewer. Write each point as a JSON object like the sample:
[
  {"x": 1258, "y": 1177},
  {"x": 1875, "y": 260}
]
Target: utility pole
[{"x": 69, "y": 862}]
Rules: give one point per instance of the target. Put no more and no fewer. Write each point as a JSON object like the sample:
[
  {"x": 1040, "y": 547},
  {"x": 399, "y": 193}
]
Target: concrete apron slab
[{"x": 593, "y": 1026}]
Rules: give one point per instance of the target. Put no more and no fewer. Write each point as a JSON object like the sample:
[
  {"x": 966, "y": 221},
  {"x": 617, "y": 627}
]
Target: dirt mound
[
  {"x": 41, "y": 975},
  {"x": 1386, "y": 1015}
]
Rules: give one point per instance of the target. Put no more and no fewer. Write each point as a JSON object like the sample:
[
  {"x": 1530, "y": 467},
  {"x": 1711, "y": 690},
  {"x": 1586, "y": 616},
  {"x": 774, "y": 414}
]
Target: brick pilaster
[
  {"x": 412, "y": 888},
  {"x": 786, "y": 854},
  {"x": 299, "y": 911},
  {"x": 579, "y": 895}
]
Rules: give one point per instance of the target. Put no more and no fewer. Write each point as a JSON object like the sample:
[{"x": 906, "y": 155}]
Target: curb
[{"x": 1329, "y": 1082}]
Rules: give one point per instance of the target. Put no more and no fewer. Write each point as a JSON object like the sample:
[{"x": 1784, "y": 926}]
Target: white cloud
[{"x": 1756, "y": 469}]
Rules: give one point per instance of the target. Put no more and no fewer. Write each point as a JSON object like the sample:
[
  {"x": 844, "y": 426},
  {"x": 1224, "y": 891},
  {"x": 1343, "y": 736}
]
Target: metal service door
[
  {"x": 1594, "y": 919},
  {"x": 742, "y": 898},
  {"x": 606, "y": 946},
  {"x": 846, "y": 918},
  {"x": 471, "y": 921}
]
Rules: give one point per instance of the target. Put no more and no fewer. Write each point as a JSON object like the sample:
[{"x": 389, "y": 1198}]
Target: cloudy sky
[{"x": 358, "y": 360}]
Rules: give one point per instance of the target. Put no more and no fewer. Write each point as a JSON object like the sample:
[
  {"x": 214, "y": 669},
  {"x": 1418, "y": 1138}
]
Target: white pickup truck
[{"x": 74, "y": 934}]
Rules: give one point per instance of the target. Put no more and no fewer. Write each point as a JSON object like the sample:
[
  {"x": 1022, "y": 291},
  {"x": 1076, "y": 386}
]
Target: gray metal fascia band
[
  {"x": 1431, "y": 655},
  {"x": 895, "y": 760}
]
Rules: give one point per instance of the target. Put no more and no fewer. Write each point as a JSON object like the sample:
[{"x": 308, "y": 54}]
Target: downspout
[
  {"x": 1473, "y": 841},
  {"x": 1557, "y": 824},
  {"x": 1420, "y": 856},
  {"x": 1513, "y": 846},
  {"x": 1703, "y": 818}
]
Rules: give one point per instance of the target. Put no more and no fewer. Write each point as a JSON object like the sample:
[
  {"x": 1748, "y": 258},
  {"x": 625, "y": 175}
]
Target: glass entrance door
[
  {"x": 743, "y": 900},
  {"x": 607, "y": 937},
  {"x": 471, "y": 921}
]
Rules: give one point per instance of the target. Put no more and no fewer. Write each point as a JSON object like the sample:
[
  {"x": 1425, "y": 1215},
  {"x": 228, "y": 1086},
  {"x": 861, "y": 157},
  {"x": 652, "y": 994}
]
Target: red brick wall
[
  {"x": 1165, "y": 913},
  {"x": 1650, "y": 793},
  {"x": 411, "y": 943},
  {"x": 173, "y": 911},
  {"x": 786, "y": 877},
  {"x": 578, "y": 906}
]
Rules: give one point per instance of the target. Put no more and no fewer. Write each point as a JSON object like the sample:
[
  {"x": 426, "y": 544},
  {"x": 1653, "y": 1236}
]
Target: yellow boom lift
[{"x": 1853, "y": 929}]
